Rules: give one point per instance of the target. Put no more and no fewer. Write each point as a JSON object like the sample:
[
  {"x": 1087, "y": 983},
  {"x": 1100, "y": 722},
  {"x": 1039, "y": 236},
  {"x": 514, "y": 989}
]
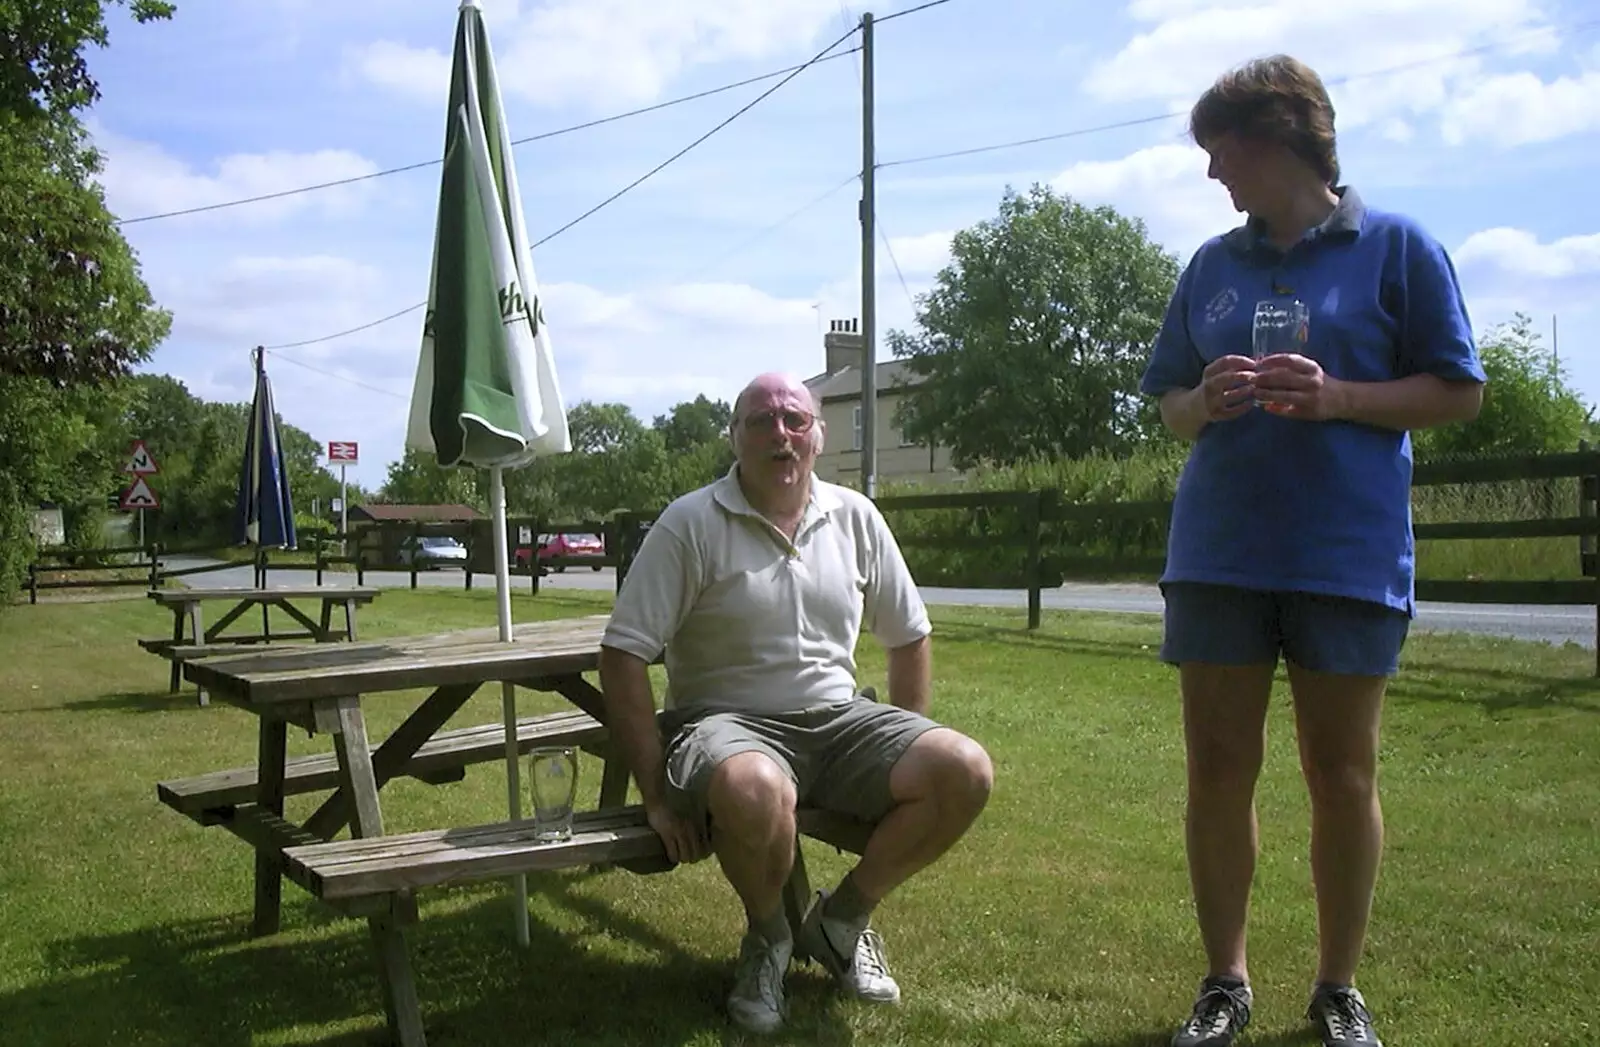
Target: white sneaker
[
  {"x": 859, "y": 968},
  {"x": 756, "y": 1003}
]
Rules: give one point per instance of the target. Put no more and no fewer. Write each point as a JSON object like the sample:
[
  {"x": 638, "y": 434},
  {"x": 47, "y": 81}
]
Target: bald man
[{"x": 757, "y": 587}]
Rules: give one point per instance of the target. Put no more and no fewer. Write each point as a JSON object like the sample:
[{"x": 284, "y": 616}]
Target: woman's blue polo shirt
[{"x": 1269, "y": 502}]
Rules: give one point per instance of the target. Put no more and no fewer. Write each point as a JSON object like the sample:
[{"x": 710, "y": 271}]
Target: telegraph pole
[{"x": 869, "y": 273}]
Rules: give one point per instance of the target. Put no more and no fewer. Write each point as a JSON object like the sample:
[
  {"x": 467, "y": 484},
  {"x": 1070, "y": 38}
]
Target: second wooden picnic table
[{"x": 192, "y": 638}]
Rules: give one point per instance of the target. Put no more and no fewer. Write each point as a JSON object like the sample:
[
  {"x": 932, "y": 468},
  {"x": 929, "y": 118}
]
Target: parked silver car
[{"x": 433, "y": 551}]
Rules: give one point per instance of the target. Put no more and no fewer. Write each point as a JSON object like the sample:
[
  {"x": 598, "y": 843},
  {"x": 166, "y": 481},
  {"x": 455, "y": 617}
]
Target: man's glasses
[{"x": 796, "y": 422}]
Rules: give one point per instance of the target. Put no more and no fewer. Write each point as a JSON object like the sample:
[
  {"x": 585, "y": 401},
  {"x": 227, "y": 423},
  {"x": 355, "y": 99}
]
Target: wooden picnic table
[
  {"x": 197, "y": 640},
  {"x": 324, "y": 689}
]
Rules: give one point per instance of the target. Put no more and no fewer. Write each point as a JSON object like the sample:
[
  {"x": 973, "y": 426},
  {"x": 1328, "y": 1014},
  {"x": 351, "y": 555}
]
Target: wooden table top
[
  {"x": 563, "y": 646},
  {"x": 246, "y": 593}
]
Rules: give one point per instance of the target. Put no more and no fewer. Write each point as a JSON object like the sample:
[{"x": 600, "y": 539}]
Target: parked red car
[{"x": 553, "y": 545}]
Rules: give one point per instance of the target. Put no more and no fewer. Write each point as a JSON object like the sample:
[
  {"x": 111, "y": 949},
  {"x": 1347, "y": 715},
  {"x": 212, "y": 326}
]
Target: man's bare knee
[
  {"x": 946, "y": 764},
  {"x": 751, "y": 797}
]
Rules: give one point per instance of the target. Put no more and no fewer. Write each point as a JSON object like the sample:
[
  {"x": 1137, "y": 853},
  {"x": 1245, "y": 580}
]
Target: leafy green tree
[
  {"x": 1033, "y": 339},
  {"x": 73, "y": 307},
  {"x": 1528, "y": 405},
  {"x": 74, "y": 310},
  {"x": 694, "y": 423},
  {"x": 42, "y": 68},
  {"x": 418, "y": 479}
]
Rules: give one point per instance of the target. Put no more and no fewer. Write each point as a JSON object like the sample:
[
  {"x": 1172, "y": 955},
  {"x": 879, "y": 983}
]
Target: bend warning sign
[
  {"x": 139, "y": 496},
  {"x": 140, "y": 461}
]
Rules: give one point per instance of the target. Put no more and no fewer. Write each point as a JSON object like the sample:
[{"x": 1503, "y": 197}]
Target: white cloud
[
  {"x": 141, "y": 178},
  {"x": 1506, "y": 271},
  {"x": 419, "y": 73},
  {"x": 922, "y": 255},
  {"x": 1188, "y": 44},
  {"x": 609, "y": 52},
  {"x": 270, "y": 300},
  {"x": 1520, "y": 108},
  {"x": 1516, "y": 255},
  {"x": 1165, "y": 185}
]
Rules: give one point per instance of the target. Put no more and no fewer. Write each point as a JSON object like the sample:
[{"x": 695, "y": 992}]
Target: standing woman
[{"x": 1291, "y": 530}]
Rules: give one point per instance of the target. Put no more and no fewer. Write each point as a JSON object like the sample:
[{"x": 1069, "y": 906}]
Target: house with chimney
[{"x": 838, "y": 389}]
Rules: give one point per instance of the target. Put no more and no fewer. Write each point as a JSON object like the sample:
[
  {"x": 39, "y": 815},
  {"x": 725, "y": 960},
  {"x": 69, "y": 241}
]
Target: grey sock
[
  {"x": 771, "y": 929},
  {"x": 848, "y": 905}
]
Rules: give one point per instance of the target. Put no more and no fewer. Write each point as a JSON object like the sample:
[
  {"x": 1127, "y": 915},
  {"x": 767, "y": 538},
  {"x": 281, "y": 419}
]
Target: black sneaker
[
  {"x": 1221, "y": 1012},
  {"x": 1341, "y": 1017}
]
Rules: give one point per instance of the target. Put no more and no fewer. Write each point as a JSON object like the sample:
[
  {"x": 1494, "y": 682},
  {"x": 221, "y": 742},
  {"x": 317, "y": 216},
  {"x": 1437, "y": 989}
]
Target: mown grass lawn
[{"x": 1064, "y": 918}]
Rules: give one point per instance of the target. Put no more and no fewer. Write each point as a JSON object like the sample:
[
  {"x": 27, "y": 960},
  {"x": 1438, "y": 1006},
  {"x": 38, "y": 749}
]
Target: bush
[{"x": 988, "y": 546}]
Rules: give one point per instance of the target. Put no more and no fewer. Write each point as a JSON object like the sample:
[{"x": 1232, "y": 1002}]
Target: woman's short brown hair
[{"x": 1277, "y": 99}]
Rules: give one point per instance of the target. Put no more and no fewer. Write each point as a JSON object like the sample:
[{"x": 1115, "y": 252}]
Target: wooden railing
[{"x": 125, "y": 565}]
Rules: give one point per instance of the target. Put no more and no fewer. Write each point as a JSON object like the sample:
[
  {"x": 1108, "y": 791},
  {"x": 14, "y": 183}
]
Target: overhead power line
[
  {"x": 757, "y": 100},
  {"x": 766, "y": 231},
  {"x": 910, "y": 11},
  {"x": 796, "y": 71},
  {"x": 543, "y": 135},
  {"x": 1471, "y": 52},
  {"x": 333, "y": 374},
  {"x": 299, "y": 190},
  {"x": 354, "y": 330}
]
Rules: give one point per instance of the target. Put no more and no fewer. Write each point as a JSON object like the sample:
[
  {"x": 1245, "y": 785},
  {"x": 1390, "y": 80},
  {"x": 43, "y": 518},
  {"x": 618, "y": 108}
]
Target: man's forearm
[
  {"x": 1415, "y": 402},
  {"x": 911, "y": 676},
  {"x": 631, "y": 719}
]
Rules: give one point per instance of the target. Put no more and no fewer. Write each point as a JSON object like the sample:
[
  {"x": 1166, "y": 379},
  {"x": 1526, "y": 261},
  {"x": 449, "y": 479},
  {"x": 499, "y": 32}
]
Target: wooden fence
[
  {"x": 55, "y": 568},
  {"x": 1030, "y": 540},
  {"x": 1019, "y": 523},
  {"x": 1037, "y": 537}
]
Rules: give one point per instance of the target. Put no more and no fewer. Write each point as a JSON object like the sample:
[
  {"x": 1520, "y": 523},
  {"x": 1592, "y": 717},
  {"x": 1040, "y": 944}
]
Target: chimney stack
[{"x": 842, "y": 345}]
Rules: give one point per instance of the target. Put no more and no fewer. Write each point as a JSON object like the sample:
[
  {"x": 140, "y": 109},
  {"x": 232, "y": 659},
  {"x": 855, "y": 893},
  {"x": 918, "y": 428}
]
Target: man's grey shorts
[{"x": 839, "y": 755}]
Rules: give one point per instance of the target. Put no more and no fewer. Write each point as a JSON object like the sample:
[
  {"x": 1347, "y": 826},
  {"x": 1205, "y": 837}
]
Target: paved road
[{"x": 1557, "y": 625}]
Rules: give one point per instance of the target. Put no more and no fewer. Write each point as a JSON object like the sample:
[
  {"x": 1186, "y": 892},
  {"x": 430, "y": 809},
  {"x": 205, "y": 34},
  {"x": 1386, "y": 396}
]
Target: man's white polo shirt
[{"x": 750, "y": 621}]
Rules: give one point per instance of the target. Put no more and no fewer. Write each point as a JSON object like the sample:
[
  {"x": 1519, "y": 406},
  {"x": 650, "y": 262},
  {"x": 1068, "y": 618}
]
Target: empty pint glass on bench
[{"x": 554, "y": 774}]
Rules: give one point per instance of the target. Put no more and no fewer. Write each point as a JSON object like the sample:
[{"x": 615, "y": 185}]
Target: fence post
[
  {"x": 154, "y": 552},
  {"x": 1032, "y": 516},
  {"x": 416, "y": 539},
  {"x": 1589, "y": 509},
  {"x": 33, "y": 583},
  {"x": 316, "y": 550}
]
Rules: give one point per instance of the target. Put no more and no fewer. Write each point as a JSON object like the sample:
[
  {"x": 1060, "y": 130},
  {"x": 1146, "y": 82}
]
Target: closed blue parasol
[{"x": 264, "y": 513}]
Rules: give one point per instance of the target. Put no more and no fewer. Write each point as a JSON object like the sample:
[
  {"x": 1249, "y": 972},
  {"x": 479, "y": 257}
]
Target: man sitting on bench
[{"x": 757, "y": 587}]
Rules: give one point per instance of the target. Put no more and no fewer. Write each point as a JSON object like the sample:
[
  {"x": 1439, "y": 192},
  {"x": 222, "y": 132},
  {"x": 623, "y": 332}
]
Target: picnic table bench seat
[
  {"x": 183, "y": 650},
  {"x": 442, "y": 758},
  {"x": 339, "y": 870}
]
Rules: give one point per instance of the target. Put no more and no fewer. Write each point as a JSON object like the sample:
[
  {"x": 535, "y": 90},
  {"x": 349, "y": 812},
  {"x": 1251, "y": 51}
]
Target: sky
[{"x": 1478, "y": 118}]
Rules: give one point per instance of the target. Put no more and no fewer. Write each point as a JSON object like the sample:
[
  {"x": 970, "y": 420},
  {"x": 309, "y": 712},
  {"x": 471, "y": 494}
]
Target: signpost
[
  {"x": 141, "y": 463},
  {"x": 345, "y": 453}
]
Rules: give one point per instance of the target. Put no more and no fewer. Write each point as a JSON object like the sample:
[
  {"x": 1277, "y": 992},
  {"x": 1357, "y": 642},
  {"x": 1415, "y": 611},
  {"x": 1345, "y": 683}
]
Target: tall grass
[{"x": 988, "y": 546}]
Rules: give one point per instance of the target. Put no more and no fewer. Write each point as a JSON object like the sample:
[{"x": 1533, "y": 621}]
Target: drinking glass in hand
[
  {"x": 554, "y": 774},
  {"x": 1280, "y": 327}
]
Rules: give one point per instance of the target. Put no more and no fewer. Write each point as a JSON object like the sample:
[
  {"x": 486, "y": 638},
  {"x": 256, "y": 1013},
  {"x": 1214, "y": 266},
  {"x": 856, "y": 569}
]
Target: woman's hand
[
  {"x": 1228, "y": 387},
  {"x": 1296, "y": 386}
]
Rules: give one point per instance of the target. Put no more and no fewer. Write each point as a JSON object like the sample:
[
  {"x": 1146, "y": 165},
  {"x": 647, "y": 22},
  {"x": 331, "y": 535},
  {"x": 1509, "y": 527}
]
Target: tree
[
  {"x": 1528, "y": 405},
  {"x": 42, "y": 71},
  {"x": 74, "y": 311},
  {"x": 418, "y": 479},
  {"x": 694, "y": 423},
  {"x": 1033, "y": 339},
  {"x": 73, "y": 307}
]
